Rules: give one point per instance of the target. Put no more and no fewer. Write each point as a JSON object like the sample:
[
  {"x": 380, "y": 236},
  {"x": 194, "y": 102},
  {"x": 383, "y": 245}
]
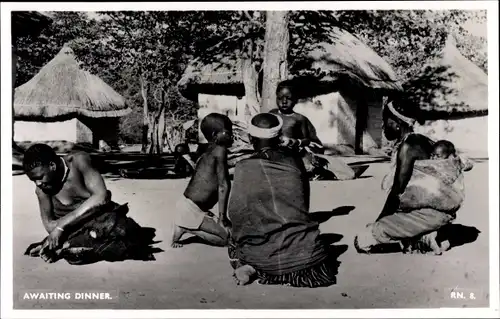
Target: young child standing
[
  {"x": 298, "y": 131},
  {"x": 210, "y": 184}
]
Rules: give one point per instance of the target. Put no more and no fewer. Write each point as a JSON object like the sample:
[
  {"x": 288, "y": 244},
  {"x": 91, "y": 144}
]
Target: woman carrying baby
[{"x": 425, "y": 190}]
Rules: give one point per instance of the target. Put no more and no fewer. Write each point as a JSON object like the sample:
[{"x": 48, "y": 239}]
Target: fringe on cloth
[{"x": 319, "y": 275}]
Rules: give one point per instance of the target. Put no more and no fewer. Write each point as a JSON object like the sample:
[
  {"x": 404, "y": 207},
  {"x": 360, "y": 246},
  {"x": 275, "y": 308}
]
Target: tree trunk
[
  {"x": 250, "y": 82},
  {"x": 145, "y": 118},
  {"x": 275, "y": 56}
]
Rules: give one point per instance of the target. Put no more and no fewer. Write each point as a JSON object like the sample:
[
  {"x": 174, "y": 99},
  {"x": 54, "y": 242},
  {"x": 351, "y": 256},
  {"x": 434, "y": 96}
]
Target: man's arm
[
  {"x": 95, "y": 185},
  {"x": 46, "y": 210},
  {"x": 223, "y": 181}
]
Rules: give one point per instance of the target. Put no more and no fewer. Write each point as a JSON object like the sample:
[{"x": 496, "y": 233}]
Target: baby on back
[
  {"x": 444, "y": 149},
  {"x": 437, "y": 182}
]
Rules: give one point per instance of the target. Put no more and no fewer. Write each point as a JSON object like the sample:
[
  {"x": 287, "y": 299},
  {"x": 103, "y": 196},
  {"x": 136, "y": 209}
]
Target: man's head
[
  {"x": 265, "y": 130},
  {"x": 217, "y": 128},
  {"x": 443, "y": 149},
  {"x": 286, "y": 97},
  {"x": 42, "y": 166}
]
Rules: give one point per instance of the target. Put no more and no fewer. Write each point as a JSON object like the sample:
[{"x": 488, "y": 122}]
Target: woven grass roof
[
  {"x": 345, "y": 56},
  {"x": 62, "y": 89},
  {"x": 467, "y": 84}
]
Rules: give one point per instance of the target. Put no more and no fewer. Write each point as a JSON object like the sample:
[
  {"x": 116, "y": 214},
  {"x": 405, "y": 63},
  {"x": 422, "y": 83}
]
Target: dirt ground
[{"x": 199, "y": 276}]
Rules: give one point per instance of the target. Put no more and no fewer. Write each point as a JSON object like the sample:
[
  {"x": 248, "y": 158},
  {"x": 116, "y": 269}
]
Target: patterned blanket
[{"x": 109, "y": 236}]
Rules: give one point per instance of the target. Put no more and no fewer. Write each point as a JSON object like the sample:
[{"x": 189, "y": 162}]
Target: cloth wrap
[
  {"x": 437, "y": 184},
  {"x": 271, "y": 227},
  {"x": 110, "y": 236}
]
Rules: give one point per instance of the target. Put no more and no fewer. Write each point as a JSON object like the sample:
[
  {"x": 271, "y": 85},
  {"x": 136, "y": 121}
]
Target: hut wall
[
  {"x": 83, "y": 132},
  {"x": 231, "y": 106},
  {"x": 27, "y": 131},
  {"x": 470, "y": 135},
  {"x": 333, "y": 115},
  {"x": 97, "y": 129}
]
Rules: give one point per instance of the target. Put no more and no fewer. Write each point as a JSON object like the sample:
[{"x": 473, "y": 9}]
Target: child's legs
[{"x": 211, "y": 232}]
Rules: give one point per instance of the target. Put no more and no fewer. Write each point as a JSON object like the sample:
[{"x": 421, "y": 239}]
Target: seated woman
[
  {"x": 83, "y": 224},
  {"x": 273, "y": 238},
  {"x": 425, "y": 191}
]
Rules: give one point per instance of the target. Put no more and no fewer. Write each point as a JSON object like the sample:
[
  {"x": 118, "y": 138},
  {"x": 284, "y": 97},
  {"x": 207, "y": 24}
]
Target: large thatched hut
[
  {"x": 64, "y": 102},
  {"x": 461, "y": 113},
  {"x": 343, "y": 100}
]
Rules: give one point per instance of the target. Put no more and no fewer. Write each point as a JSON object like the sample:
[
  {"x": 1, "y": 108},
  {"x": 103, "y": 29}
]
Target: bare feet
[
  {"x": 243, "y": 275},
  {"x": 445, "y": 245},
  {"x": 427, "y": 243},
  {"x": 177, "y": 233},
  {"x": 433, "y": 243}
]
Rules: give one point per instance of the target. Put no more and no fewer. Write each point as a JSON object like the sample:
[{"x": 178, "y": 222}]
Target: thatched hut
[
  {"x": 343, "y": 100},
  {"x": 64, "y": 102},
  {"x": 461, "y": 113}
]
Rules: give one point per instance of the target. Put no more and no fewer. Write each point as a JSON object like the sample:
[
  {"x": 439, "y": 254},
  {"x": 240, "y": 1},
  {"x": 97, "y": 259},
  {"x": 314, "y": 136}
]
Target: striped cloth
[
  {"x": 320, "y": 275},
  {"x": 400, "y": 226}
]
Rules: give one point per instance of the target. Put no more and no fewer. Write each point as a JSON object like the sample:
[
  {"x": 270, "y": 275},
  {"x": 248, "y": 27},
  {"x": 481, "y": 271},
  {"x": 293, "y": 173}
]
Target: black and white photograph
[{"x": 240, "y": 157}]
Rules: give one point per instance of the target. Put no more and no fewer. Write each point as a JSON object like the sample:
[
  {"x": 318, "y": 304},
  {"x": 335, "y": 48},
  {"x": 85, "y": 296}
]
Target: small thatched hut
[
  {"x": 343, "y": 100},
  {"x": 64, "y": 102},
  {"x": 461, "y": 115}
]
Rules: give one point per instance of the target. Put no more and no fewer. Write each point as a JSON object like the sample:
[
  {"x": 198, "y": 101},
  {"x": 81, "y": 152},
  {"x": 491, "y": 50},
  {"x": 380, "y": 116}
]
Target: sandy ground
[{"x": 199, "y": 276}]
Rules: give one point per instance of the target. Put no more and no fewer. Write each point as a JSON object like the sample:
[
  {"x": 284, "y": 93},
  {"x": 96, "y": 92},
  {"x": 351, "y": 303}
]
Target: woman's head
[
  {"x": 265, "y": 130},
  {"x": 286, "y": 97},
  {"x": 394, "y": 123}
]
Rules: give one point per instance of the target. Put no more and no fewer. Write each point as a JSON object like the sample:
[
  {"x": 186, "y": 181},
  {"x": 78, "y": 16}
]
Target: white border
[{"x": 6, "y": 182}]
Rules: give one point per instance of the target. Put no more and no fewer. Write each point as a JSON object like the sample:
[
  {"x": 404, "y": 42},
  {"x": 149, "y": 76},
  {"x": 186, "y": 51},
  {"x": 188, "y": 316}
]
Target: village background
[{"x": 129, "y": 86}]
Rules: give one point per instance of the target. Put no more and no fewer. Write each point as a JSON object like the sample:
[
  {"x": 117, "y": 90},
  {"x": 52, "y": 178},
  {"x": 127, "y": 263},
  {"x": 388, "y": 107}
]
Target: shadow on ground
[
  {"x": 458, "y": 234},
  {"x": 323, "y": 216}
]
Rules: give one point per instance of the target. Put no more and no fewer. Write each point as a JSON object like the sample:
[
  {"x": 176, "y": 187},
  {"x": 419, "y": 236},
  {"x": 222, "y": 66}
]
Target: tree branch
[{"x": 252, "y": 20}]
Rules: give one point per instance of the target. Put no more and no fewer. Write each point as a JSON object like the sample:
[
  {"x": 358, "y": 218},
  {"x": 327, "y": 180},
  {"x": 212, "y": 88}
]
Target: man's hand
[{"x": 54, "y": 239}]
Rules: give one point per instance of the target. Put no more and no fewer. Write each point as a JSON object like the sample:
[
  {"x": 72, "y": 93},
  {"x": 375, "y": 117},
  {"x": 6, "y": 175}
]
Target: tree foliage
[{"x": 127, "y": 48}]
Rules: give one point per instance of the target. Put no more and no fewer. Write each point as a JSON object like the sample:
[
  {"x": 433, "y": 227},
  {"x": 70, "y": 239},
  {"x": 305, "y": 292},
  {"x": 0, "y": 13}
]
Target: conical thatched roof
[
  {"x": 62, "y": 89},
  {"x": 345, "y": 56},
  {"x": 465, "y": 90}
]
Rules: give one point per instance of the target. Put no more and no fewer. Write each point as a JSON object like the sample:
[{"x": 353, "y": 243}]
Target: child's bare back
[
  {"x": 209, "y": 185},
  {"x": 203, "y": 187}
]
